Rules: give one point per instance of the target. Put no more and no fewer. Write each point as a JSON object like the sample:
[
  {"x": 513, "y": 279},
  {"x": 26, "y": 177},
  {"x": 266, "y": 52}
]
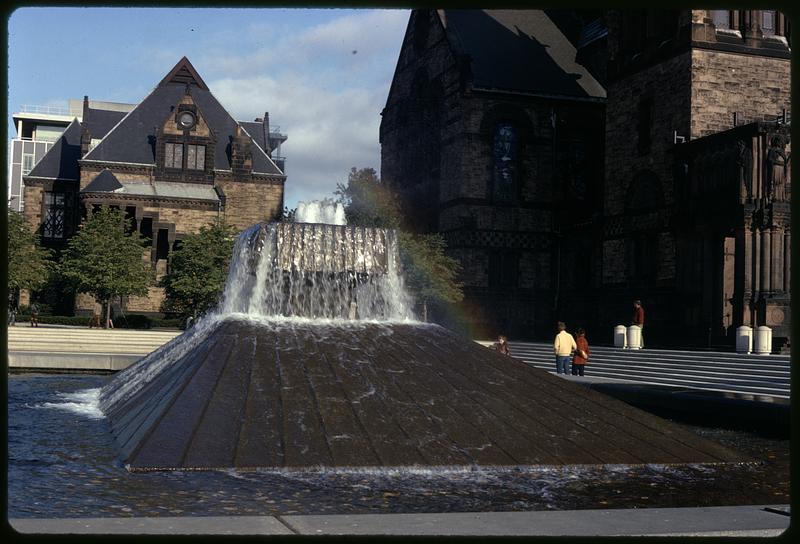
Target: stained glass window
[{"x": 504, "y": 158}]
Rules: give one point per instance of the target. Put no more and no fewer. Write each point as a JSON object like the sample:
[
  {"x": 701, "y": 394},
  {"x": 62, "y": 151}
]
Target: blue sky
[{"x": 322, "y": 74}]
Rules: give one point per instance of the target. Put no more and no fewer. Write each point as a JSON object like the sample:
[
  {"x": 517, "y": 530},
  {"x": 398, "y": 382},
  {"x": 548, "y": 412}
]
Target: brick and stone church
[
  {"x": 576, "y": 160},
  {"x": 176, "y": 162}
]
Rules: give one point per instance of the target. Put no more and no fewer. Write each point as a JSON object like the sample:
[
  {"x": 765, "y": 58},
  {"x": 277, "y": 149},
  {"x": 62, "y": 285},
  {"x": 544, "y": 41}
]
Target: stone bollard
[
  {"x": 744, "y": 339},
  {"x": 619, "y": 336},
  {"x": 762, "y": 343},
  {"x": 634, "y": 337}
]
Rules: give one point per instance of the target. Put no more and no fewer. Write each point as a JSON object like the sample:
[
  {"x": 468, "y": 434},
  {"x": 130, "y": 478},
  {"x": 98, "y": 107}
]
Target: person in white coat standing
[{"x": 563, "y": 346}]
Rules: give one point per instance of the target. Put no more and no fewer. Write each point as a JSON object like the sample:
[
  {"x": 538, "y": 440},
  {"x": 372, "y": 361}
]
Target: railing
[{"x": 48, "y": 110}]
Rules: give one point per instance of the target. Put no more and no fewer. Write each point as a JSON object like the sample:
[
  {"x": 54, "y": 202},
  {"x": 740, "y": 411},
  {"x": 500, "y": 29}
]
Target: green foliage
[
  {"x": 104, "y": 260},
  {"x": 288, "y": 215},
  {"x": 28, "y": 264},
  {"x": 198, "y": 269},
  {"x": 431, "y": 276},
  {"x": 368, "y": 202}
]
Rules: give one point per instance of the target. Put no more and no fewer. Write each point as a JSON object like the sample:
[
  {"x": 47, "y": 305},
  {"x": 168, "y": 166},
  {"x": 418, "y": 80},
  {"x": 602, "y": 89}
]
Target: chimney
[
  {"x": 86, "y": 137},
  {"x": 265, "y": 126},
  {"x": 241, "y": 154}
]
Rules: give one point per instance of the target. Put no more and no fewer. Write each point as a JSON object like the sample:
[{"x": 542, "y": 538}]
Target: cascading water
[
  {"x": 313, "y": 361},
  {"x": 316, "y": 271}
]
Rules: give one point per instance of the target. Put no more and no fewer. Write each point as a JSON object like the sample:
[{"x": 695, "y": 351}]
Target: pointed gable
[
  {"x": 184, "y": 74},
  {"x": 61, "y": 161},
  {"x": 133, "y": 139}
]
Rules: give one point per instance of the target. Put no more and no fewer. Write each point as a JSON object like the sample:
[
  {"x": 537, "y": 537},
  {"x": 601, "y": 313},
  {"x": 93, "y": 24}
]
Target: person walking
[
  {"x": 563, "y": 346},
  {"x": 12, "y": 310},
  {"x": 581, "y": 353},
  {"x": 638, "y": 319},
  {"x": 34, "y": 315}
]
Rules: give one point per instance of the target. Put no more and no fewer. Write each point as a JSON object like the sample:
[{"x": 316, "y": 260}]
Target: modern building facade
[
  {"x": 37, "y": 129},
  {"x": 175, "y": 162},
  {"x": 664, "y": 178}
]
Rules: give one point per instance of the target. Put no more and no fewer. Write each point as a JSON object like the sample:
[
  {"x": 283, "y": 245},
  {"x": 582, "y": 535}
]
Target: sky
[{"x": 322, "y": 74}]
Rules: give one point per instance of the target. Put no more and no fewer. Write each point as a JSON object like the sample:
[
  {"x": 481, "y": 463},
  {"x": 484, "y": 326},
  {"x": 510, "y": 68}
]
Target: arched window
[{"x": 504, "y": 162}]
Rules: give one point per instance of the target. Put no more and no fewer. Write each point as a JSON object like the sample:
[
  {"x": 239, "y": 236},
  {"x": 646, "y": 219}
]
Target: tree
[
  {"x": 198, "y": 269},
  {"x": 28, "y": 263},
  {"x": 106, "y": 261},
  {"x": 431, "y": 276},
  {"x": 368, "y": 202}
]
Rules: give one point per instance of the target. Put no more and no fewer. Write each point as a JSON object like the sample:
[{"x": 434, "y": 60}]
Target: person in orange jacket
[{"x": 581, "y": 353}]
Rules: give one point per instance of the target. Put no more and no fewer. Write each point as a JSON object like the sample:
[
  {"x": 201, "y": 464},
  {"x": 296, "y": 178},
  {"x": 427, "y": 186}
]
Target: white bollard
[
  {"x": 634, "y": 337},
  {"x": 744, "y": 339},
  {"x": 619, "y": 336},
  {"x": 762, "y": 343}
]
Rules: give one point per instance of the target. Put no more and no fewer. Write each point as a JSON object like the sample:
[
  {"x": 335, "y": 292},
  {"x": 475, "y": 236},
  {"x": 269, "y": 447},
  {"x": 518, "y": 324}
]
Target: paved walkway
[{"x": 757, "y": 520}]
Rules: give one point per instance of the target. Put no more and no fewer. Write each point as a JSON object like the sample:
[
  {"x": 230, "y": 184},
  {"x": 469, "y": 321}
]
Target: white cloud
[{"x": 328, "y": 131}]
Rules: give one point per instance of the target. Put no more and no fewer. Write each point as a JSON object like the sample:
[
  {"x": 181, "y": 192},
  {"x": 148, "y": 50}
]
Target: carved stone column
[
  {"x": 776, "y": 259},
  {"x": 787, "y": 262},
  {"x": 766, "y": 245}
]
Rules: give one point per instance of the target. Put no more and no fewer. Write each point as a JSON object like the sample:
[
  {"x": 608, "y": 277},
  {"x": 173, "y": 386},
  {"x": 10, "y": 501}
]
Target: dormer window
[
  {"x": 173, "y": 155},
  {"x": 195, "y": 157}
]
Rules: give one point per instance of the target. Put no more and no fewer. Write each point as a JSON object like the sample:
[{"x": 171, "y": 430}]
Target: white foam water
[
  {"x": 84, "y": 403},
  {"x": 320, "y": 212}
]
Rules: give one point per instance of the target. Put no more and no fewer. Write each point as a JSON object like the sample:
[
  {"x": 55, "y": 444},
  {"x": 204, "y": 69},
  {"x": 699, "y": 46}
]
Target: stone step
[{"x": 70, "y": 340}]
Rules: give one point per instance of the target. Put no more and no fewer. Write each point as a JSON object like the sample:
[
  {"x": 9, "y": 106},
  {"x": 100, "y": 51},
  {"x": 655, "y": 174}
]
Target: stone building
[
  {"x": 655, "y": 181},
  {"x": 176, "y": 162},
  {"x": 490, "y": 135}
]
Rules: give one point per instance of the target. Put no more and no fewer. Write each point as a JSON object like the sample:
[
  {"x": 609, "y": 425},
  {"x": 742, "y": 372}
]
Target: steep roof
[
  {"x": 104, "y": 182},
  {"x": 100, "y": 122},
  {"x": 132, "y": 140},
  {"x": 519, "y": 51},
  {"x": 61, "y": 161}
]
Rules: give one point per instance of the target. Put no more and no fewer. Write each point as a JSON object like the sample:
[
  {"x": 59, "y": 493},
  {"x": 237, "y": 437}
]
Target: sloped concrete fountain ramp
[{"x": 255, "y": 395}]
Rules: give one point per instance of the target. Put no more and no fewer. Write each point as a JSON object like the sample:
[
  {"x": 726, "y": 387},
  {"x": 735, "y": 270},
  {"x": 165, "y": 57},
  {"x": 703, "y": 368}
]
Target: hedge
[{"x": 131, "y": 321}]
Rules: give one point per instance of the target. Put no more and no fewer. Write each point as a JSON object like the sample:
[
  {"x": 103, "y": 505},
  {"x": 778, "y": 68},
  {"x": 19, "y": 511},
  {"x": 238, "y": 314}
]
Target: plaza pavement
[{"x": 722, "y": 521}]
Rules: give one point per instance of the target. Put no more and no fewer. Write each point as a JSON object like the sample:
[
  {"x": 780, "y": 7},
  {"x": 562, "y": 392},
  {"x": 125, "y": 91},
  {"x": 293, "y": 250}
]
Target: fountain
[{"x": 314, "y": 361}]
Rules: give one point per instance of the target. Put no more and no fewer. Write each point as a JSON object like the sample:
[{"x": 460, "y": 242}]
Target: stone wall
[
  {"x": 33, "y": 206},
  {"x": 247, "y": 203},
  {"x": 757, "y": 87}
]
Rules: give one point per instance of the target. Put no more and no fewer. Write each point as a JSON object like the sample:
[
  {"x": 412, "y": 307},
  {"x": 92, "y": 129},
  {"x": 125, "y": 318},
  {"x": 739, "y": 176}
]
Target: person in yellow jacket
[{"x": 563, "y": 346}]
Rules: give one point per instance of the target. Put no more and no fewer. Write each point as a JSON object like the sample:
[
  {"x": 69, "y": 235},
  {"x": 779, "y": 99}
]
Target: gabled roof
[
  {"x": 184, "y": 73},
  {"x": 519, "y": 51},
  {"x": 61, "y": 161},
  {"x": 132, "y": 140},
  {"x": 104, "y": 182}
]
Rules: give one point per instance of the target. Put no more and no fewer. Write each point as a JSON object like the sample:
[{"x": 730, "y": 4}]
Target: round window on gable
[{"x": 186, "y": 120}]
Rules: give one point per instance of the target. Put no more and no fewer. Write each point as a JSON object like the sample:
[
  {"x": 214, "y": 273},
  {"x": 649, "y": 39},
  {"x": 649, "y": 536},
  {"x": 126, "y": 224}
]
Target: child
[
  {"x": 502, "y": 345},
  {"x": 581, "y": 353}
]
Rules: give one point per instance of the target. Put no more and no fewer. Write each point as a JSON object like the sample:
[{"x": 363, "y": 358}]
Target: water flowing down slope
[{"x": 300, "y": 395}]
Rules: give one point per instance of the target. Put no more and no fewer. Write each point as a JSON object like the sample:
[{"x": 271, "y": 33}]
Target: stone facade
[
  {"x": 176, "y": 164},
  {"x": 667, "y": 239},
  {"x": 581, "y": 247}
]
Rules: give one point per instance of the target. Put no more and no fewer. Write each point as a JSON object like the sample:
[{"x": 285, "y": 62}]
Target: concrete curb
[
  {"x": 64, "y": 362},
  {"x": 703, "y": 521}
]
